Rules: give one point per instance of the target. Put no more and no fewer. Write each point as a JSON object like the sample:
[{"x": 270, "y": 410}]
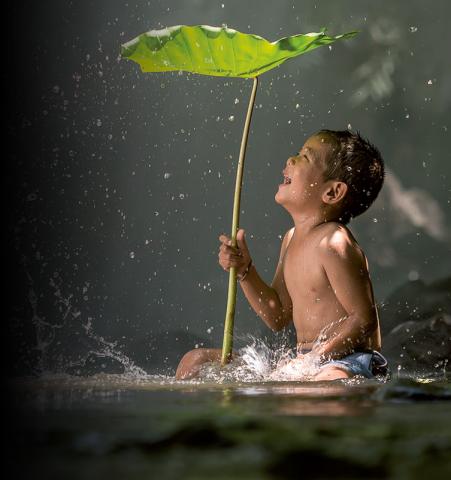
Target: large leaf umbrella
[{"x": 225, "y": 52}]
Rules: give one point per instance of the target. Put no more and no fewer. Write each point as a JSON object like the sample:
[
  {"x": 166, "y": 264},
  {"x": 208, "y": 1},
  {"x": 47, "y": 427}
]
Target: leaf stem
[{"x": 227, "y": 344}]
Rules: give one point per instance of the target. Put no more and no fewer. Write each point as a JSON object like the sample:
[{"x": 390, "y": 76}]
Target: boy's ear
[{"x": 335, "y": 192}]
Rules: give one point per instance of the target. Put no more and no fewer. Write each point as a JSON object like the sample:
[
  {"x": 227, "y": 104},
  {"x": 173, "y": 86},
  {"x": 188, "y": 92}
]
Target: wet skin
[
  {"x": 317, "y": 276},
  {"x": 322, "y": 274},
  {"x": 321, "y": 283}
]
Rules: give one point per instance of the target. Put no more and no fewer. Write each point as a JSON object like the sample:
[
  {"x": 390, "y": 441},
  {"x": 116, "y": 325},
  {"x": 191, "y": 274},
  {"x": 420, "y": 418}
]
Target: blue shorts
[{"x": 367, "y": 364}]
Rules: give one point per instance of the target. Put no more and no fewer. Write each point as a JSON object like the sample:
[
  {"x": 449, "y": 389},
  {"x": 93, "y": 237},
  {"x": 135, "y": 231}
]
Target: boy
[{"x": 321, "y": 283}]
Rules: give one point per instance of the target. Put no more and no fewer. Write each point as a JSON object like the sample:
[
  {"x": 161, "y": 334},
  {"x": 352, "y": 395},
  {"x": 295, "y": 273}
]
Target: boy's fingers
[
  {"x": 230, "y": 251},
  {"x": 225, "y": 239},
  {"x": 241, "y": 239},
  {"x": 233, "y": 263}
]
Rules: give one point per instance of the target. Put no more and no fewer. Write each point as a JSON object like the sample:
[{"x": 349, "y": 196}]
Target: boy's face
[{"x": 304, "y": 171}]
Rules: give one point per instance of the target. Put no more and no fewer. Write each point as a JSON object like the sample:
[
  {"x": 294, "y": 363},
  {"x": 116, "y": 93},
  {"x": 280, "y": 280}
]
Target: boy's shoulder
[
  {"x": 330, "y": 236},
  {"x": 336, "y": 237}
]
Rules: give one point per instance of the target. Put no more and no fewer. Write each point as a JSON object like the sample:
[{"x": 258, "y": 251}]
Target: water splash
[
  {"x": 259, "y": 361},
  {"x": 107, "y": 349},
  {"x": 71, "y": 324},
  {"x": 303, "y": 367}
]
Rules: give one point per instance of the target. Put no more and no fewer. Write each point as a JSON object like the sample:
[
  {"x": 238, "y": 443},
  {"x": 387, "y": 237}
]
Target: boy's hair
[{"x": 358, "y": 163}]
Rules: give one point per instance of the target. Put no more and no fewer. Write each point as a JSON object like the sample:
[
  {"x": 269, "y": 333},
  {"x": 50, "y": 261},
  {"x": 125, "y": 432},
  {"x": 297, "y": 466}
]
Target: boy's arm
[
  {"x": 271, "y": 303},
  {"x": 347, "y": 270}
]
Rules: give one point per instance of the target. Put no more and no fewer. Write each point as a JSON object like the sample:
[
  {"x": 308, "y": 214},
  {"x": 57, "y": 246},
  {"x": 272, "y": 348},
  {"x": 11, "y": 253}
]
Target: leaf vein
[
  {"x": 187, "y": 49},
  {"x": 234, "y": 56},
  {"x": 163, "y": 49},
  {"x": 211, "y": 53}
]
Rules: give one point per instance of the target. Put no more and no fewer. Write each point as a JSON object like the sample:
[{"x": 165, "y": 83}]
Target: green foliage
[{"x": 218, "y": 51}]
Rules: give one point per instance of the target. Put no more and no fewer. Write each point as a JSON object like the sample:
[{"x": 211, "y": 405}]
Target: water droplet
[
  {"x": 413, "y": 29},
  {"x": 56, "y": 89},
  {"x": 132, "y": 254},
  {"x": 99, "y": 122},
  {"x": 167, "y": 175},
  {"x": 429, "y": 82},
  {"x": 375, "y": 220},
  {"x": 182, "y": 196},
  {"x": 231, "y": 118},
  {"x": 236, "y": 101},
  {"x": 413, "y": 275}
]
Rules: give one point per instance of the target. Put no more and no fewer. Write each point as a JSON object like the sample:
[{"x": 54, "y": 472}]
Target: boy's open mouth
[{"x": 286, "y": 180}]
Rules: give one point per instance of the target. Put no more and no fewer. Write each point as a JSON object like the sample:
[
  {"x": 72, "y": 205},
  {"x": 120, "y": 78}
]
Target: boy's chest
[{"x": 304, "y": 275}]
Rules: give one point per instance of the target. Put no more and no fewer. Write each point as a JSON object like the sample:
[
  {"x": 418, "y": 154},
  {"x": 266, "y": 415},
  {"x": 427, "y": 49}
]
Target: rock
[
  {"x": 416, "y": 327},
  {"x": 415, "y": 301},
  {"x": 420, "y": 346}
]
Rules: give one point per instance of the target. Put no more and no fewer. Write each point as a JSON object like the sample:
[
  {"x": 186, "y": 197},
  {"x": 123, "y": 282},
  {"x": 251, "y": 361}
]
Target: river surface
[{"x": 149, "y": 426}]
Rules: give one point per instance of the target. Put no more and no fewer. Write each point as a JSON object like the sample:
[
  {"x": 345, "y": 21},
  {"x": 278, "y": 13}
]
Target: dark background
[{"x": 118, "y": 183}]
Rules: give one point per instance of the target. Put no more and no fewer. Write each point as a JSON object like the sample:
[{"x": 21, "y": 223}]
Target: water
[
  {"x": 258, "y": 361},
  {"x": 237, "y": 422},
  {"x": 248, "y": 420}
]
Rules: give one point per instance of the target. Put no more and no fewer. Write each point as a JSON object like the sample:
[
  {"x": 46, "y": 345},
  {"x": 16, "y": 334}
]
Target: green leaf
[{"x": 218, "y": 51}]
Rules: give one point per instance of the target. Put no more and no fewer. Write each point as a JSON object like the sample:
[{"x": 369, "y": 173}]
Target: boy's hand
[{"x": 237, "y": 257}]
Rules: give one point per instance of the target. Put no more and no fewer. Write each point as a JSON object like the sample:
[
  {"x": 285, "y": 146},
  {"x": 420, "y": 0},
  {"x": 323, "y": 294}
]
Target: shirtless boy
[{"x": 321, "y": 283}]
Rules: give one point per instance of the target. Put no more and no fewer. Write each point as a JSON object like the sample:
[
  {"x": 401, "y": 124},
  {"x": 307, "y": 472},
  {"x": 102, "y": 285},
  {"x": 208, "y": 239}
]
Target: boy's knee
[
  {"x": 194, "y": 356},
  {"x": 192, "y": 361}
]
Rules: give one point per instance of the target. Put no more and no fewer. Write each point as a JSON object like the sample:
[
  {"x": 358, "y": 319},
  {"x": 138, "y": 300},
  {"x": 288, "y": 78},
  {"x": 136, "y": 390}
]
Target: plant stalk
[{"x": 227, "y": 343}]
